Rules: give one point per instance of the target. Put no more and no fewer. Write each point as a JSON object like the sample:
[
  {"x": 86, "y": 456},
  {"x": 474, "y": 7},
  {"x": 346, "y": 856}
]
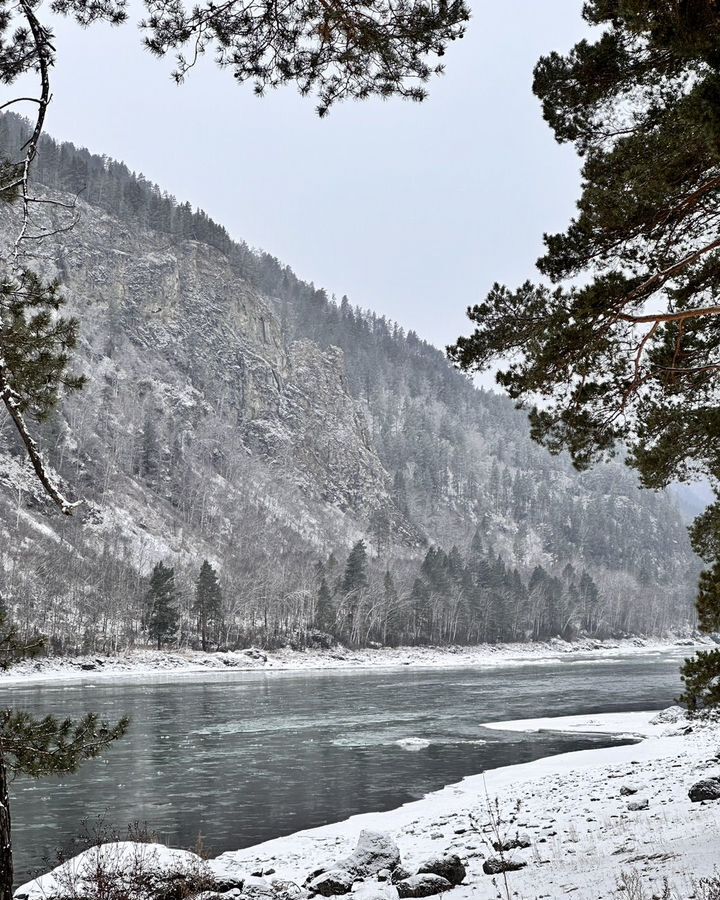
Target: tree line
[{"x": 447, "y": 598}]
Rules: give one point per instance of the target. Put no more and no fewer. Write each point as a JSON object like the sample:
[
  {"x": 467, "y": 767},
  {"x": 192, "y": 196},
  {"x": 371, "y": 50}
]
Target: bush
[{"x": 137, "y": 868}]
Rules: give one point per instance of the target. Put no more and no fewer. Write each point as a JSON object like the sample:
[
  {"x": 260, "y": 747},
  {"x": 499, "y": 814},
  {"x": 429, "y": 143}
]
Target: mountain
[{"x": 237, "y": 414}]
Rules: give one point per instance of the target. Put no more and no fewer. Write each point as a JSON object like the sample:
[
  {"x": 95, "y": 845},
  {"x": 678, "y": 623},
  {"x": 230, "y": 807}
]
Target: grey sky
[{"x": 412, "y": 210}]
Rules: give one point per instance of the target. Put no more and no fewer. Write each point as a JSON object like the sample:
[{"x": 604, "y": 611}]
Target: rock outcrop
[
  {"x": 496, "y": 865},
  {"x": 375, "y": 852},
  {"x": 707, "y": 789},
  {"x": 449, "y": 867},
  {"x": 424, "y": 885},
  {"x": 373, "y": 871}
]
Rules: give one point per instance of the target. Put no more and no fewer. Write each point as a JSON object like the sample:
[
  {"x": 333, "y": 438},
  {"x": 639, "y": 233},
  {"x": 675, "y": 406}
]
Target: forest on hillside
[{"x": 469, "y": 532}]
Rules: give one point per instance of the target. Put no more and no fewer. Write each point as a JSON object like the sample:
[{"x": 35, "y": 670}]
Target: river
[{"x": 244, "y": 757}]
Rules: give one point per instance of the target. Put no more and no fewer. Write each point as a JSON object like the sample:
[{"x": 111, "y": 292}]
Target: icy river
[{"x": 244, "y": 757}]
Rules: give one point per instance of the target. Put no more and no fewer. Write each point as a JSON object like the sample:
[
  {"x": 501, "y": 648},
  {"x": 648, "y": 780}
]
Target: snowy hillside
[{"x": 237, "y": 414}]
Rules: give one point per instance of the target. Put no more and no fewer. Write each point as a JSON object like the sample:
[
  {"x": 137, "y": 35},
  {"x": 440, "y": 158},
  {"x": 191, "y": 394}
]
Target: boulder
[
  {"x": 628, "y": 790},
  {"x": 400, "y": 873},
  {"x": 424, "y": 885},
  {"x": 637, "y": 805},
  {"x": 375, "y": 851},
  {"x": 156, "y": 865},
  {"x": 332, "y": 883},
  {"x": 707, "y": 789},
  {"x": 669, "y": 716},
  {"x": 256, "y": 888},
  {"x": 371, "y": 890},
  {"x": 449, "y": 867},
  {"x": 287, "y": 890},
  {"x": 311, "y": 876},
  {"x": 519, "y": 842},
  {"x": 496, "y": 866},
  {"x": 226, "y": 882}
]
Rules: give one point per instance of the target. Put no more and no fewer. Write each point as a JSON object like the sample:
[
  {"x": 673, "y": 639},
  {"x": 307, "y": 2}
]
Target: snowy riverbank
[
  {"x": 152, "y": 663},
  {"x": 583, "y": 833},
  {"x": 576, "y": 809}
]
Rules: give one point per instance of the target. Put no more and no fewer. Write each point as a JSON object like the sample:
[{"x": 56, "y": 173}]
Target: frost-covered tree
[{"x": 35, "y": 346}]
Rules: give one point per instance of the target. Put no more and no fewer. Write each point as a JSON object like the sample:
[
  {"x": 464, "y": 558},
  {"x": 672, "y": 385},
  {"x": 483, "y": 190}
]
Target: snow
[
  {"x": 634, "y": 724},
  {"x": 112, "y": 859},
  {"x": 582, "y": 829},
  {"x": 145, "y": 664}
]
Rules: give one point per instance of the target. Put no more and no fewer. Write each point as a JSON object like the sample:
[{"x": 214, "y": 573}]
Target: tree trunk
[{"x": 6, "y": 856}]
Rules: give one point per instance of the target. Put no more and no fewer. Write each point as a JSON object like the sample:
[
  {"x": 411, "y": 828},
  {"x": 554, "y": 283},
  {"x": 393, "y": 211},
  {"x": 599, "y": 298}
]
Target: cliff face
[{"x": 191, "y": 381}]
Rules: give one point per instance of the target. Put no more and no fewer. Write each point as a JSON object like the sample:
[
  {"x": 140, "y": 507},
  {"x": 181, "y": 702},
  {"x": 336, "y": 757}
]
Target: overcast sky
[{"x": 412, "y": 210}]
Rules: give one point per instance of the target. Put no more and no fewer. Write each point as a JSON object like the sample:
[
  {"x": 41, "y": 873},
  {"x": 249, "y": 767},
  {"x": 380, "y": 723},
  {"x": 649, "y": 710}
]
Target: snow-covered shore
[
  {"x": 180, "y": 664},
  {"x": 575, "y": 808},
  {"x": 582, "y": 831}
]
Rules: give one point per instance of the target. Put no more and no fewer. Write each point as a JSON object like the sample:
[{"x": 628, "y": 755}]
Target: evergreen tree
[
  {"x": 455, "y": 566},
  {"x": 356, "y": 569},
  {"x": 208, "y": 602},
  {"x": 589, "y": 598},
  {"x": 702, "y": 686},
  {"x": 39, "y": 747},
  {"x": 625, "y": 346},
  {"x": 161, "y": 602},
  {"x": 35, "y": 347},
  {"x": 422, "y": 610}
]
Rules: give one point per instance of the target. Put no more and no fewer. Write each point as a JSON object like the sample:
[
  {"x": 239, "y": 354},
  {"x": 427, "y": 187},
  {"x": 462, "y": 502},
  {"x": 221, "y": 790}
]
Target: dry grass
[
  {"x": 631, "y": 887},
  {"x": 125, "y": 867}
]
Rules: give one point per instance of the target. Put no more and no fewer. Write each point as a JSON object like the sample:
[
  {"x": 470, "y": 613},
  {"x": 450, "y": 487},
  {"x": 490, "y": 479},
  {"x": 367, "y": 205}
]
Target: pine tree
[
  {"x": 589, "y": 597},
  {"x": 35, "y": 347},
  {"x": 39, "y": 747},
  {"x": 702, "y": 686},
  {"x": 422, "y": 610},
  {"x": 208, "y": 602},
  {"x": 380, "y": 528},
  {"x": 161, "y": 601},
  {"x": 356, "y": 569},
  {"x": 624, "y": 345}
]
